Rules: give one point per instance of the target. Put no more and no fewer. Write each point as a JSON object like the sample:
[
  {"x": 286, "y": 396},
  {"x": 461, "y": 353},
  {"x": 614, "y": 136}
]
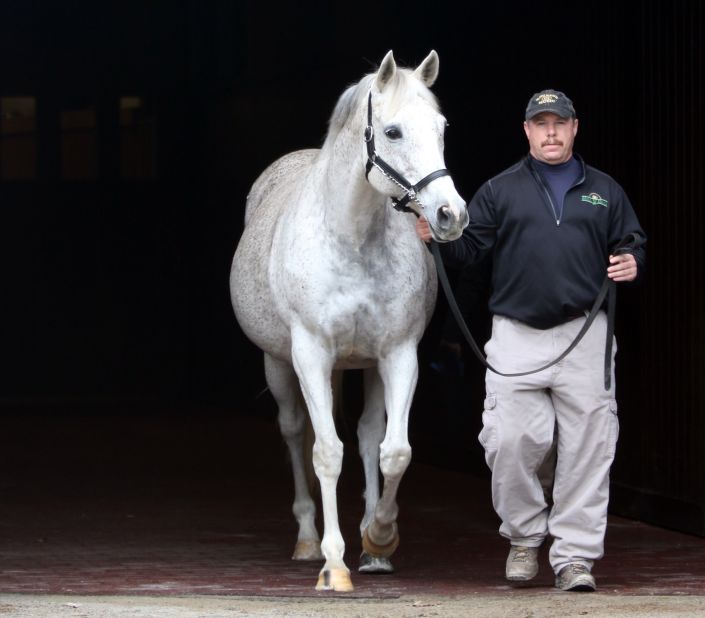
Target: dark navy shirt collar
[{"x": 556, "y": 168}]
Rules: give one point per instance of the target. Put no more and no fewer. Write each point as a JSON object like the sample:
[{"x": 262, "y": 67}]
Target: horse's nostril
[{"x": 443, "y": 215}]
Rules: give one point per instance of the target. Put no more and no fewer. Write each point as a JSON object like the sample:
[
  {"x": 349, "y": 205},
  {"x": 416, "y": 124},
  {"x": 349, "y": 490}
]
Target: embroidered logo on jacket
[{"x": 595, "y": 199}]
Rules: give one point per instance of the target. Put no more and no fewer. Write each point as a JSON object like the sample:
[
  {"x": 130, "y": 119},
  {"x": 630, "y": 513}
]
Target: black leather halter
[{"x": 374, "y": 160}]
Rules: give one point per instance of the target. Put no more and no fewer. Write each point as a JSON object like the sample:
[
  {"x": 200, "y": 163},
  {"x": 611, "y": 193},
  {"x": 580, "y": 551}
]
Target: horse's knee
[
  {"x": 394, "y": 461},
  {"x": 327, "y": 457}
]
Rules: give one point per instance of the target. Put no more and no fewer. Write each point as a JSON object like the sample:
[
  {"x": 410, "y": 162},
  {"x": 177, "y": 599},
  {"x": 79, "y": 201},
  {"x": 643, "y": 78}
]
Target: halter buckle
[{"x": 369, "y": 133}]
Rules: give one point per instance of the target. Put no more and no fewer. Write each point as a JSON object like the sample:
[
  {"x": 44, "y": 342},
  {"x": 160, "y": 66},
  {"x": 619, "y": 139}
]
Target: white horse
[{"x": 327, "y": 276}]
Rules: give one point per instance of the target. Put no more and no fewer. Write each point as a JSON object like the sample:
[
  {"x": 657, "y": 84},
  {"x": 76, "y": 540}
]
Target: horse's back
[{"x": 273, "y": 180}]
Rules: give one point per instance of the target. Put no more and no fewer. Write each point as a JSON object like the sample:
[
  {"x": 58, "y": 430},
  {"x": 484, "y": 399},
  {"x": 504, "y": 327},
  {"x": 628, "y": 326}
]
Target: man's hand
[
  {"x": 423, "y": 230},
  {"x": 622, "y": 267}
]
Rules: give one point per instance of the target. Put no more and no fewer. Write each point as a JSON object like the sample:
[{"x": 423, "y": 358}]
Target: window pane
[
  {"x": 18, "y": 142},
  {"x": 136, "y": 139},
  {"x": 77, "y": 119},
  {"x": 78, "y": 144}
]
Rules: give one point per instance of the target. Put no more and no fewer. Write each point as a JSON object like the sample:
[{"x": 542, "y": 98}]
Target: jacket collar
[{"x": 529, "y": 162}]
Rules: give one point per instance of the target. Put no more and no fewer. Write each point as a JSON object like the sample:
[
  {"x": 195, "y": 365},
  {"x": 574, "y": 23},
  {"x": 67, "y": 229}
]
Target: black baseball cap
[{"x": 550, "y": 101}]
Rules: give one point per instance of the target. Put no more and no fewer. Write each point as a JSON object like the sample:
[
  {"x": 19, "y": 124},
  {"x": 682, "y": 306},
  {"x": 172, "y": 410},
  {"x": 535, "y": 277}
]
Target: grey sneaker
[
  {"x": 576, "y": 577},
  {"x": 522, "y": 563}
]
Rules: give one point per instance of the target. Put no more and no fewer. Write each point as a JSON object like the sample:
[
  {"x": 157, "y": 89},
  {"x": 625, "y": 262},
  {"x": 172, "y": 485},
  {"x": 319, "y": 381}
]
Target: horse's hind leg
[
  {"x": 370, "y": 431},
  {"x": 294, "y": 426}
]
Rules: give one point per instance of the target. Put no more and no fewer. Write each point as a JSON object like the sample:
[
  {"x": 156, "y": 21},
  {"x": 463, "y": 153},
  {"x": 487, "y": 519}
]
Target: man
[{"x": 551, "y": 223}]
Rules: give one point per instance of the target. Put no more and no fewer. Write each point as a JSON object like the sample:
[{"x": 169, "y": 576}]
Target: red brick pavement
[{"x": 177, "y": 506}]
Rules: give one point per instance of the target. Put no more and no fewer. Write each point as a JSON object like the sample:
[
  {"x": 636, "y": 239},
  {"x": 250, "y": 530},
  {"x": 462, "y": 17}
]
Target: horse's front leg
[
  {"x": 370, "y": 432},
  {"x": 314, "y": 364},
  {"x": 399, "y": 371}
]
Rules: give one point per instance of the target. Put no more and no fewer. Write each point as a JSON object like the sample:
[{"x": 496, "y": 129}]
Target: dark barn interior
[{"x": 131, "y": 132}]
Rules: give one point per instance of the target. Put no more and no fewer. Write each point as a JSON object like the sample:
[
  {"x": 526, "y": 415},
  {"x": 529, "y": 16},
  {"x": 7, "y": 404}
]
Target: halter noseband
[{"x": 374, "y": 160}]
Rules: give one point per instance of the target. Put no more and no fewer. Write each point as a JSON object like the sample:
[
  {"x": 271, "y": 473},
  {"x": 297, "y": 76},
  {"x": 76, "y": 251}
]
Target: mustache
[{"x": 552, "y": 142}]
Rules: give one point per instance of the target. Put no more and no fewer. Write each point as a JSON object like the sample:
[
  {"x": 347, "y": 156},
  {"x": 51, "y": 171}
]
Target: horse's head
[{"x": 407, "y": 145}]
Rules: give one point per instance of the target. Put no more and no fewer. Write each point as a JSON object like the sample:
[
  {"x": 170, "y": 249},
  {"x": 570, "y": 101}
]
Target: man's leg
[
  {"x": 587, "y": 434},
  {"x": 518, "y": 428}
]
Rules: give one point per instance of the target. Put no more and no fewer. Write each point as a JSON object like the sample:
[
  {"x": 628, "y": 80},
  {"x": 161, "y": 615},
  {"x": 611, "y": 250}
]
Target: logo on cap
[{"x": 546, "y": 98}]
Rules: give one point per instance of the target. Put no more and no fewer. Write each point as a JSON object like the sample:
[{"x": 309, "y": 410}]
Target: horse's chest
[{"x": 360, "y": 315}]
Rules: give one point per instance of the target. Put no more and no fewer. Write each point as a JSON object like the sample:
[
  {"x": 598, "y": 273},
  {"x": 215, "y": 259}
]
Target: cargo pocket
[
  {"x": 612, "y": 428},
  {"x": 488, "y": 435}
]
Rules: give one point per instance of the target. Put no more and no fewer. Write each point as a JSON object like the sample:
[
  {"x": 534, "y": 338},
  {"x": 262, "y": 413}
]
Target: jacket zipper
[{"x": 540, "y": 181}]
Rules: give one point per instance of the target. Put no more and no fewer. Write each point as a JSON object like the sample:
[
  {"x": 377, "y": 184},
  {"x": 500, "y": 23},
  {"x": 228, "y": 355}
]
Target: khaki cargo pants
[{"x": 519, "y": 420}]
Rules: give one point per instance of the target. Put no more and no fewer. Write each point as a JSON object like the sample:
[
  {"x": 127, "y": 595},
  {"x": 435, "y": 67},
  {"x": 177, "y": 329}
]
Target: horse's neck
[{"x": 353, "y": 210}]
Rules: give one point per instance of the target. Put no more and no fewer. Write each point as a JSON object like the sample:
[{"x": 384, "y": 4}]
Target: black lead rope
[{"x": 607, "y": 290}]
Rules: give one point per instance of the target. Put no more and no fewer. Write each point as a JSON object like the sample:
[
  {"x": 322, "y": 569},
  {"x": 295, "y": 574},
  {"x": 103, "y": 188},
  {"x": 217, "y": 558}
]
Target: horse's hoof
[
  {"x": 307, "y": 550},
  {"x": 380, "y": 551},
  {"x": 335, "y": 579},
  {"x": 374, "y": 564}
]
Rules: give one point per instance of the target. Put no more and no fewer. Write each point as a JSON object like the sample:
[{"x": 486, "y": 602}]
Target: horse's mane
[{"x": 396, "y": 91}]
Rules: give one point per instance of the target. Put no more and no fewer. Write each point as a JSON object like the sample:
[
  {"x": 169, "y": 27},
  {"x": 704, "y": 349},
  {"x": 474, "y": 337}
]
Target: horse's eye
[{"x": 393, "y": 133}]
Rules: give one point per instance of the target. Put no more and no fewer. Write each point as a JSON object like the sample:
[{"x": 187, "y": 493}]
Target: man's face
[{"x": 551, "y": 137}]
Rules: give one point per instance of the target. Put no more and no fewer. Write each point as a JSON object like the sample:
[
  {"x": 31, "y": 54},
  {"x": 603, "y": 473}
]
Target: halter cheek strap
[{"x": 374, "y": 160}]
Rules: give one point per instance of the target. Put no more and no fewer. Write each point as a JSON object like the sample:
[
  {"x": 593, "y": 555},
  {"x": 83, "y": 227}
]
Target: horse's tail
[{"x": 310, "y": 437}]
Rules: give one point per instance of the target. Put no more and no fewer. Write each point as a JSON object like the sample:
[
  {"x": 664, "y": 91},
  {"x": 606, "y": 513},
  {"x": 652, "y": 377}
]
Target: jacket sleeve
[
  {"x": 624, "y": 221},
  {"x": 479, "y": 236}
]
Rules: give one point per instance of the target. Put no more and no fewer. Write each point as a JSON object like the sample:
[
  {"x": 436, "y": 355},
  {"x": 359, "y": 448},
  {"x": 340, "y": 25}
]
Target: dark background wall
[{"x": 122, "y": 194}]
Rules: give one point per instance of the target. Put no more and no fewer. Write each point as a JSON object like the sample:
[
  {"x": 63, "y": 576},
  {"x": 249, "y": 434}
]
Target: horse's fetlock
[
  {"x": 385, "y": 519},
  {"x": 333, "y": 547},
  {"x": 382, "y": 532}
]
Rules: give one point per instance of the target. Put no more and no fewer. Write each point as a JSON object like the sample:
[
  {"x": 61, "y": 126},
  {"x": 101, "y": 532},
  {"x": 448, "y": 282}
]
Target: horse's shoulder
[{"x": 277, "y": 176}]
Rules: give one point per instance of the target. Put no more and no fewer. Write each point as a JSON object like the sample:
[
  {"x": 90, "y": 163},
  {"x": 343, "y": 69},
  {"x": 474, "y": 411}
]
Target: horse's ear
[
  {"x": 386, "y": 72},
  {"x": 427, "y": 71}
]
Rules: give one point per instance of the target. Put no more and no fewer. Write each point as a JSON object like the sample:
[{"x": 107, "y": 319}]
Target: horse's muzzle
[{"x": 449, "y": 222}]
